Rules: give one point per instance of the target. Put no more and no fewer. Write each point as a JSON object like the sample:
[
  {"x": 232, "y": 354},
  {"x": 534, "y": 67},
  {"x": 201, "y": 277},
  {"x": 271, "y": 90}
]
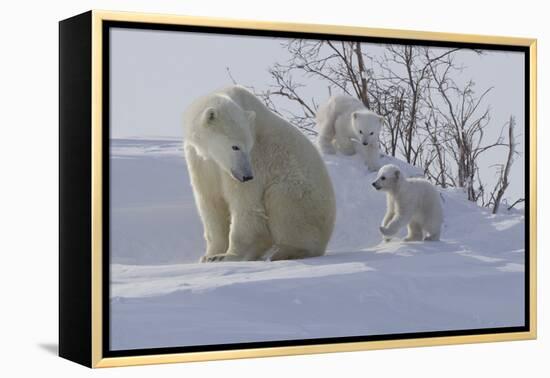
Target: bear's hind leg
[
  {"x": 326, "y": 138},
  {"x": 249, "y": 237},
  {"x": 296, "y": 232}
]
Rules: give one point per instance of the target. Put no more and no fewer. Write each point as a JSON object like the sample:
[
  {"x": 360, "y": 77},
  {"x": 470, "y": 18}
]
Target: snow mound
[{"x": 160, "y": 297}]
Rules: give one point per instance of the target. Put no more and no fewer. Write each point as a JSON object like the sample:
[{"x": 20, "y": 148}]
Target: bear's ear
[
  {"x": 210, "y": 114},
  {"x": 382, "y": 119},
  {"x": 251, "y": 115},
  {"x": 397, "y": 174},
  {"x": 354, "y": 115}
]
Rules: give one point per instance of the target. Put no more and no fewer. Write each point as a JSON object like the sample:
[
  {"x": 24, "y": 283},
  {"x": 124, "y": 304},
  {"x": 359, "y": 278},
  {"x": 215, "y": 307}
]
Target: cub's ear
[
  {"x": 251, "y": 115},
  {"x": 397, "y": 174},
  {"x": 382, "y": 119},
  {"x": 210, "y": 114},
  {"x": 354, "y": 115}
]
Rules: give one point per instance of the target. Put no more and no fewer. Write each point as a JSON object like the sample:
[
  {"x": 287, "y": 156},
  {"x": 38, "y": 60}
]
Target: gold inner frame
[{"x": 97, "y": 181}]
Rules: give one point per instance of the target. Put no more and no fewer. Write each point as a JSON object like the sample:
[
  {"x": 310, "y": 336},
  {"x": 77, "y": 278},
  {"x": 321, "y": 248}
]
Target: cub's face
[
  {"x": 367, "y": 126},
  {"x": 388, "y": 178},
  {"x": 225, "y": 134}
]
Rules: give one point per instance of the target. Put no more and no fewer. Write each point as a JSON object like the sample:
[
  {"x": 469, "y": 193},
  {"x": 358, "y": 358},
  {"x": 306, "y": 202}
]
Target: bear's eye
[
  {"x": 360, "y": 131},
  {"x": 372, "y": 133},
  {"x": 383, "y": 178},
  {"x": 235, "y": 148}
]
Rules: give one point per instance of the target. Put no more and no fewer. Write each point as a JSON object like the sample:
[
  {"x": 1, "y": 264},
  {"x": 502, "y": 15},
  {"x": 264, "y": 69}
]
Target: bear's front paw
[{"x": 213, "y": 258}]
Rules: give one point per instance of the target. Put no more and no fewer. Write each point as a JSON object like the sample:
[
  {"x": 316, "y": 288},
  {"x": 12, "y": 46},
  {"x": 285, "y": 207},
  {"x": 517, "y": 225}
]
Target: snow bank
[{"x": 473, "y": 278}]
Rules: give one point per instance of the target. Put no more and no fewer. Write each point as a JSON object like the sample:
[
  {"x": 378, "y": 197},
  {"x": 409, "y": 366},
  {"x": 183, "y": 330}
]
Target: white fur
[
  {"x": 346, "y": 126},
  {"x": 410, "y": 201},
  {"x": 286, "y": 209}
]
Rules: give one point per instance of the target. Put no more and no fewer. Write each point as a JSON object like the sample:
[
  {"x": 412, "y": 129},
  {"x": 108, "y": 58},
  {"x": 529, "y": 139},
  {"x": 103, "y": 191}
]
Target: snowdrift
[{"x": 160, "y": 297}]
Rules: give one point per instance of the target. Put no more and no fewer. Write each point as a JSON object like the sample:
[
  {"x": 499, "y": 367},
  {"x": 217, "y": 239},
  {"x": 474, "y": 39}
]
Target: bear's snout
[
  {"x": 242, "y": 176},
  {"x": 243, "y": 170},
  {"x": 375, "y": 186},
  {"x": 365, "y": 144}
]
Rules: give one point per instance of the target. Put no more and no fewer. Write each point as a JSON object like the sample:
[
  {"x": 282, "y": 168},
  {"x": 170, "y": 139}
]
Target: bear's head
[
  {"x": 366, "y": 126},
  {"x": 220, "y": 130},
  {"x": 388, "y": 178}
]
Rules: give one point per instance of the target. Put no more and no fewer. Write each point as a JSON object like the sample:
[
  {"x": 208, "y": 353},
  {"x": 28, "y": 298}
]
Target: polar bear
[
  {"x": 346, "y": 126},
  {"x": 260, "y": 185},
  {"x": 410, "y": 201}
]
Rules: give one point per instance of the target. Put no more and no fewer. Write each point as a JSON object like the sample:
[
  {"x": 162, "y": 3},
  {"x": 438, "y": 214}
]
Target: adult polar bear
[
  {"x": 259, "y": 184},
  {"x": 347, "y": 126}
]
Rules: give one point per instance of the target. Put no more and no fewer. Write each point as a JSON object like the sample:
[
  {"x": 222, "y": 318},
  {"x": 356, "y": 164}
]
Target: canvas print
[{"x": 271, "y": 188}]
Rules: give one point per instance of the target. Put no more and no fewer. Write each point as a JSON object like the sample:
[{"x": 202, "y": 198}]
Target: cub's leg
[
  {"x": 403, "y": 216},
  {"x": 390, "y": 213},
  {"x": 345, "y": 145},
  {"x": 326, "y": 137},
  {"x": 433, "y": 234},
  {"x": 415, "y": 232}
]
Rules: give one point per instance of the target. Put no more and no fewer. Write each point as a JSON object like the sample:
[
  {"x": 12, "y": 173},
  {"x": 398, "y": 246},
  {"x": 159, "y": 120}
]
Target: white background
[{"x": 29, "y": 189}]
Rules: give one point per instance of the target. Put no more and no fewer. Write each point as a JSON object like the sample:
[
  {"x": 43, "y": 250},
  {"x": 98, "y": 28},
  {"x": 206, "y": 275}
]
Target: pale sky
[{"x": 156, "y": 74}]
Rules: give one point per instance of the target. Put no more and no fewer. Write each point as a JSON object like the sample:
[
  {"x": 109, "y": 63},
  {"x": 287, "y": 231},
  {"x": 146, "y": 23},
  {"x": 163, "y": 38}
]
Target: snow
[{"x": 160, "y": 297}]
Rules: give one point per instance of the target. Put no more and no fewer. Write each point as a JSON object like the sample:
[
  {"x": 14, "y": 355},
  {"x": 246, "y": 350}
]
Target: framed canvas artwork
[{"x": 235, "y": 189}]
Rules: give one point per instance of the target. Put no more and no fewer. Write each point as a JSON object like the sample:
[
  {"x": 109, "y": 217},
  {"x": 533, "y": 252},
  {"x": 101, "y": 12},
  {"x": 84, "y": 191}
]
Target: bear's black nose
[
  {"x": 247, "y": 178},
  {"x": 374, "y": 184},
  {"x": 365, "y": 144}
]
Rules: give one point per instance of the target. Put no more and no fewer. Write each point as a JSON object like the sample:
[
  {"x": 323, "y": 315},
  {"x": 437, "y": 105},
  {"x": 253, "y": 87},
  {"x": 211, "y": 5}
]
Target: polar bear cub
[
  {"x": 346, "y": 126},
  {"x": 260, "y": 185},
  {"x": 410, "y": 201}
]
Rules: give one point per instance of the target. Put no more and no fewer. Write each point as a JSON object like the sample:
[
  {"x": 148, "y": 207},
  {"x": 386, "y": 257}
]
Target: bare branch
[
  {"x": 503, "y": 182},
  {"x": 516, "y": 202}
]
